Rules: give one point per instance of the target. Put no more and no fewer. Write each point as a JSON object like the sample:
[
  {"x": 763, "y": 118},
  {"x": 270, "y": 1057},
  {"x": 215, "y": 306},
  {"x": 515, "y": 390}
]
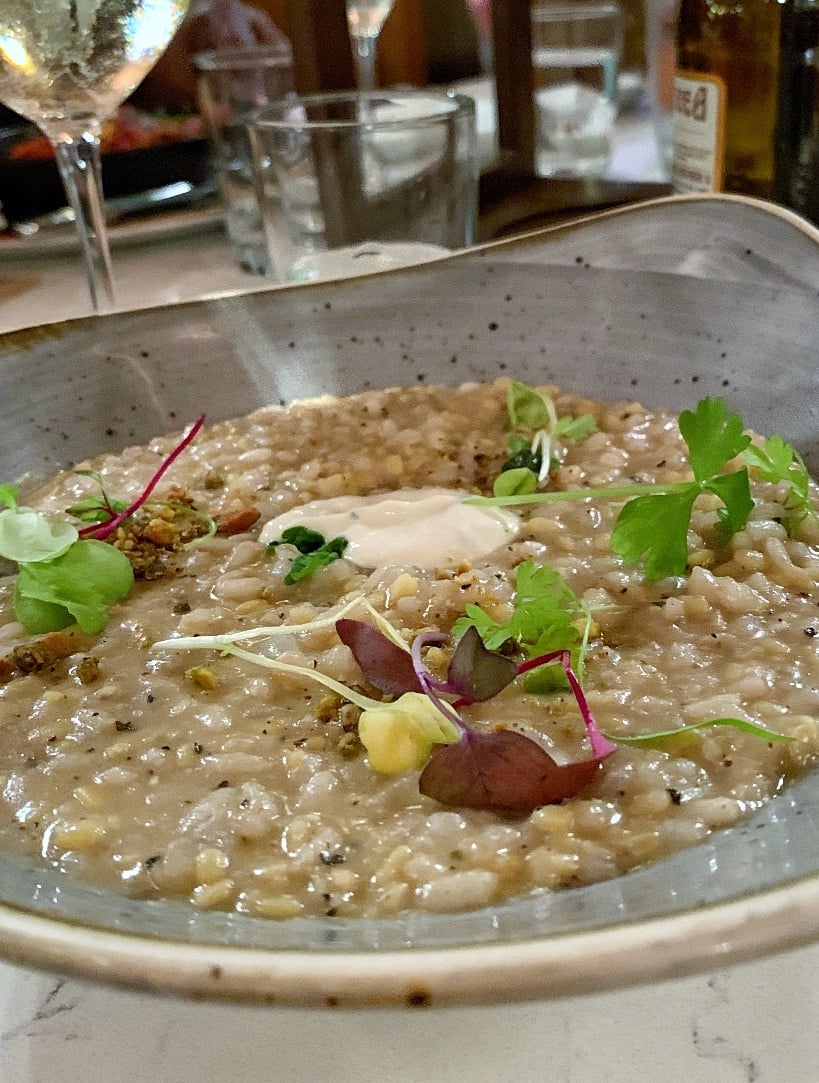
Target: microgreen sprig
[
  {"x": 535, "y": 431},
  {"x": 502, "y": 770},
  {"x": 653, "y": 526},
  {"x": 115, "y": 513},
  {"x": 61, "y": 577},
  {"x": 547, "y": 616},
  {"x": 66, "y": 574}
]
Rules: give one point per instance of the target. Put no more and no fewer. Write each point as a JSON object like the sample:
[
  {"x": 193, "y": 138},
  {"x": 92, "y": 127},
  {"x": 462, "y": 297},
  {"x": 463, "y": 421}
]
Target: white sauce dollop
[{"x": 425, "y": 528}]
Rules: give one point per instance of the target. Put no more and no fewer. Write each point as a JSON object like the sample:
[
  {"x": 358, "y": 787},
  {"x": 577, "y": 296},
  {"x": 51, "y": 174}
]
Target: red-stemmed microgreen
[
  {"x": 105, "y": 527},
  {"x": 66, "y": 574},
  {"x": 502, "y": 770}
]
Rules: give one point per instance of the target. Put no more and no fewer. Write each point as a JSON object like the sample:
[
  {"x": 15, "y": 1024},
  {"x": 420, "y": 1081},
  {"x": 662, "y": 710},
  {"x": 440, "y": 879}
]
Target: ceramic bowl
[{"x": 663, "y": 302}]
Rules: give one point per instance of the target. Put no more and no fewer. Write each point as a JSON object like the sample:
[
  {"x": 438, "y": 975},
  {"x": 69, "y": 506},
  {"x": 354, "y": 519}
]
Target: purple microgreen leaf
[
  {"x": 475, "y": 673},
  {"x": 103, "y": 530},
  {"x": 504, "y": 772},
  {"x": 384, "y": 664}
]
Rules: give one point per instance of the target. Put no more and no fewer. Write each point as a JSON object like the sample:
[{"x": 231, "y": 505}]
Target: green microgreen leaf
[
  {"x": 95, "y": 508},
  {"x": 28, "y": 535},
  {"x": 314, "y": 551},
  {"x": 534, "y": 415},
  {"x": 547, "y": 616},
  {"x": 78, "y": 585},
  {"x": 655, "y": 528},
  {"x": 658, "y": 738},
  {"x": 576, "y": 428},
  {"x": 515, "y": 481},
  {"x": 527, "y": 409},
  {"x": 9, "y": 494}
]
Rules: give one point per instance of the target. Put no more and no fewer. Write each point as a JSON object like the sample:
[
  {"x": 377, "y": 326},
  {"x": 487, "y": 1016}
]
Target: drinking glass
[
  {"x": 66, "y": 67},
  {"x": 352, "y": 183},
  {"x": 576, "y": 50},
  {"x": 365, "y": 19}
]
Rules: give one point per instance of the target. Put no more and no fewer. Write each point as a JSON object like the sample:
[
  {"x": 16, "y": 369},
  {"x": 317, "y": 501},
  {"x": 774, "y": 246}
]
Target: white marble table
[
  {"x": 751, "y": 1024},
  {"x": 755, "y": 1022}
]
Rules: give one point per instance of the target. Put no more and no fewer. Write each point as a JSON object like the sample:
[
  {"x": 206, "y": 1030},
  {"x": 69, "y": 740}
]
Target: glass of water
[
  {"x": 365, "y": 181},
  {"x": 576, "y": 50},
  {"x": 232, "y": 85}
]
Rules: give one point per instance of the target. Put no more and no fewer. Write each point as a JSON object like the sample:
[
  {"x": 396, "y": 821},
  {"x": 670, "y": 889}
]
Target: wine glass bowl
[
  {"x": 365, "y": 19},
  {"x": 66, "y": 68}
]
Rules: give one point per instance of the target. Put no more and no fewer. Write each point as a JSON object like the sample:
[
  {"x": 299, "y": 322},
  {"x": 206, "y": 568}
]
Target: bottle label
[{"x": 698, "y": 132}]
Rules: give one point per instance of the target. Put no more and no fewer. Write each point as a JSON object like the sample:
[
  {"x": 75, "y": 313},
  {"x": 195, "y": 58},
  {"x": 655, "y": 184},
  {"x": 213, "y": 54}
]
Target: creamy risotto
[{"x": 207, "y": 776}]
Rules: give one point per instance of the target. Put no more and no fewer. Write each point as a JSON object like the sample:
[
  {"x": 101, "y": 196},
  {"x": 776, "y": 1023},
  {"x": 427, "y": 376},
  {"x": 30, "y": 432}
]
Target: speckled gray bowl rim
[{"x": 746, "y": 891}]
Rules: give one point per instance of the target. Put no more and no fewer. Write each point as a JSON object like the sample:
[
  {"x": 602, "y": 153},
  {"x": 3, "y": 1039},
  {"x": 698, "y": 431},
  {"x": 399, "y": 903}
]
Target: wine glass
[
  {"x": 66, "y": 65},
  {"x": 365, "y": 18}
]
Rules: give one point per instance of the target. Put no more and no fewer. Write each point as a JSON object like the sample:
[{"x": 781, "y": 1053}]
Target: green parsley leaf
[
  {"x": 547, "y": 616},
  {"x": 778, "y": 461},
  {"x": 654, "y": 527},
  {"x": 713, "y": 436},
  {"x": 735, "y": 493}
]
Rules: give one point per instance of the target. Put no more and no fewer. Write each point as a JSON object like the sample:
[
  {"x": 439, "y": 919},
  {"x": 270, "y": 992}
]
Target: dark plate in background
[{"x": 31, "y": 187}]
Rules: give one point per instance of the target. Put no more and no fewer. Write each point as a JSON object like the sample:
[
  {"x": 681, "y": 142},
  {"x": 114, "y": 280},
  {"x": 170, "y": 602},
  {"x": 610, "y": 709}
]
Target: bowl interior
[{"x": 663, "y": 303}]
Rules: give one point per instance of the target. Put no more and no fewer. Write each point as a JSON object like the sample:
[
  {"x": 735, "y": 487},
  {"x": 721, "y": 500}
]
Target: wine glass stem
[
  {"x": 78, "y": 160},
  {"x": 365, "y": 61}
]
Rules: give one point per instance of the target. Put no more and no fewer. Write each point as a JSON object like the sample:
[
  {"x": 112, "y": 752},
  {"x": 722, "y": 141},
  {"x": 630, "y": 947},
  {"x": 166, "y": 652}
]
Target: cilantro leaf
[
  {"x": 735, "y": 493},
  {"x": 548, "y": 616}
]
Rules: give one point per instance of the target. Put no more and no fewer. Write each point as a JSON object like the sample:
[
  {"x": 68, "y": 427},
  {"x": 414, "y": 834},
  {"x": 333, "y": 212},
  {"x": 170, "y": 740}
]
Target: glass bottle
[
  {"x": 796, "y": 179},
  {"x": 725, "y": 96}
]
